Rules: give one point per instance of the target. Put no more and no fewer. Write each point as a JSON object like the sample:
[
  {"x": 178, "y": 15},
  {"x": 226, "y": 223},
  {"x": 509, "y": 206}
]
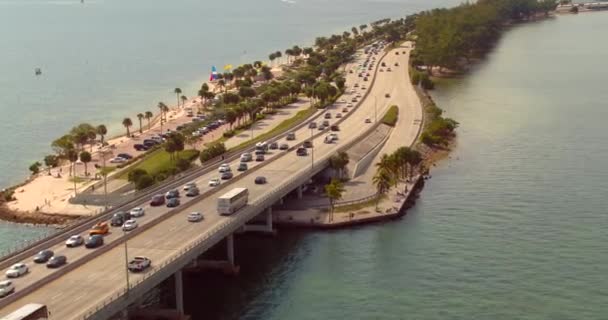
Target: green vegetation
[
  {"x": 334, "y": 191},
  {"x": 391, "y": 116},
  {"x": 437, "y": 129},
  {"x": 35, "y": 167},
  {"x": 160, "y": 164},
  {"x": 395, "y": 168},
  {"x": 360, "y": 205},
  {"x": 213, "y": 150},
  {"x": 446, "y": 37},
  {"x": 338, "y": 162}
]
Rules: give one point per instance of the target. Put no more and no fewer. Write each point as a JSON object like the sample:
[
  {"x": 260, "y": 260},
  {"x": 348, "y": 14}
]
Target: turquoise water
[
  {"x": 107, "y": 59},
  {"x": 513, "y": 226}
]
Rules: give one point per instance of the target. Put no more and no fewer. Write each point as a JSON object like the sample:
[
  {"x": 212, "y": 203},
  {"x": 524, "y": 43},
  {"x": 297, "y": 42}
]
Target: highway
[{"x": 79, "y": 290}]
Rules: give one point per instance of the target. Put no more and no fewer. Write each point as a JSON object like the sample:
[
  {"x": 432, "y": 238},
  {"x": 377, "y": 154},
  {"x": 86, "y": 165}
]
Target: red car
[{"x": 157, "y": 200}]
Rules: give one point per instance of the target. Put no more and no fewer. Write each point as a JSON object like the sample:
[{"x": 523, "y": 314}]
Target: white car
[
  {"x": 74, "y": 241},
  {"x": 16, "y": 270},
  {"x": 196, "y": 134},
  {"x": 118, "y": 160},
  {"x": 224, "y": 168},
  {"x": 343, "y": 100},
  {"x": 129, "y": 225},
  {"x": 195, "y": 216},
  {"x": 214, "y": 182},
  {"x": 6, "y": 287},
  {"x": 189, "y": 185},
  {"x": 137, "y": 212}
]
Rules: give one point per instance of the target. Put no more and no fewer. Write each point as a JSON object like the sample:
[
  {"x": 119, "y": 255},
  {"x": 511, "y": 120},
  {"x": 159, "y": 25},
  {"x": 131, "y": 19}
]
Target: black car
[
  {"x": 125, "y": 156},
  {"x": 260, "y": 180},
  {"x": 94, "y": 241},
  {"x": 140, "y": 147},
  {"x": 150, "y": 142},
  {"x": 226, "y": 175},
  {"x": 259, "y": 157},
  {"x": 301, "y": 152},
  {"x": 307, "y": 144},
  {"x": 56, "y": 262},
  {"x": 157, "y": 200},
  {"x": 172, "y": 194},
  {"x": 274, "y": 146},
  {"x": 173, "y": 202},
  {"x": 365, "y": 79},
  {"x": 242, "y": 166},
  {"x": 43, "y": 256},
  {"x": 119, "y": 218},
  {"x": 334, "y": 128},
  {"x": 284, "y": 146}
]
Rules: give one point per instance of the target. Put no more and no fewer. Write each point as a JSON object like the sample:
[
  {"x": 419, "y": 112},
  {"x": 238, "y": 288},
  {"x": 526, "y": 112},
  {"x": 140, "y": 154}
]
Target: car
[
  {"x": 149, "y": 144},
  {"x": 17, "y": 270},
  {"x": 354, "y": 99},
  {"x": 328, "y": 139},
  {"x": 284, "y": 146},
  {"x": 335, "y": 127},
  {"x": 344, "y": 110},
  {"x": 100, "y": 228},
  {"x": 368, "y": 75},
  {"x": 140, "y": 147},
  {"x": 260, "y": 180},
  {"x": 388, "y": 69},
  {"x": 94, "y": 241},
  {"x": 74, "y": 241},
  {"x": 365, "y": 79},
  {"x": 350, "y": 105},
  {"x": 321, "y": 127},
  {"x": 301, "y": 151},
  {"x": 56, "y": 262},
  {"x": 118, "y": 160},
  {"x": 350, "y": 71},
  {"x": 119, "y": 218},
  {"x": 242, "y": 167},
  {"x": 214, "y": 182},
  {"x": 6, "y": 287},
  {"x": 261, "y": 151},
  {"x": 157, "y": 200},
  {"x": 312, "y": 125},
  {"x": 383, "y": 64},
  {"x": 356, "y": 85},
  {"x": 291, "y": 136},
  {"x": 343, "y": 100},
  {"x": 259, "y": 158},
  {"x": 368, "y": 120},
  {"x": 387, "y": 95},
  {"x": 172, "y": 194},
  {"x": 338, "y": 115},
  {"x": 139, "y": 264},
  {"x": 196, "y": 134},
  {"x": 224, "y": 168},
  {"x": 360, "y": 75},
  {"x": 273, "y": 146},
  {"x": 173, "y": 202},
  {"x": 226, "y": 175},
  {"x": 381, "y": 70},
  {"x": 397, "y": 53},
  {"x": 358, "y": 95},
  {"x": 195, "y": 216},
  {"x": 192, "y": 192},
  {"x": 327, "y": 115},
  {"x": 326, "y": 123},
  {"x": 137, "y": 212},
  {"x": 396, "y": 64},
  {"x": 246, "y": 157},
  {"x": 125, "y": 156},
  {"x": 129, "y": 225},
  {"x": 307, "y": 144}
]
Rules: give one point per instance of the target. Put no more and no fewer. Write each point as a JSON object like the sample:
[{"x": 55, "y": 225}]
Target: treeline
[{"x": 447, "y": 37}]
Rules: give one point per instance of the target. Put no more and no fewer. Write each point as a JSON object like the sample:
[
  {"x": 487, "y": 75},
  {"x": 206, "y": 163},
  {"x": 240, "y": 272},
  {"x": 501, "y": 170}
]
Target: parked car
[
  {"x": 260, "y": 180},
  {"x": 354, "y": 99},
  {"x": 307, "y": 144},
  {"x": 173, "y": 202},
  {"x": 6, "y": 287},
  {"x": 259, "y": 158},
  {"x": 139, "y": 264},
  {"x": 56, "y": 262},
  {"x": 100, "y": 228},
  {"x": 301, "y": 152},
  {"x": 195, "y": 216},
  {"x": 356, "y": 85},
  {"x": 284, "y": 146},
  {"x": 344, "y": 110},
  {"x": 17, "y": 270},
  {"x": 226, "y": 175},
  {"x": 365, "y": 79},
  {"x": 192, "y": 192},
  {"x": 274, "y": 145},
  {"x": 312, "y": 125},
  {"x": 157, "y": 200},
  {"x": 129, "y": 225},
  {"x": 214, "y": 182},
  {"x": 172, "y": 194},
  {"x": 125, "y": 156},
  {"x": 137, "y": 212},
  {"x": 246, "y": 157},
  {"x": 94, "y": 241},
  {"x": 118, "y": 160},
  {"x": 383, "y": 64},
  {"x": 242, "y": 167},
  {"x": 140, "y": 147},
  {"x": 74, "y": 241},
  {"x": 387, "y": 95},
  {"x": 396, "y": 64},
  {"x": 388, "y": 69}
]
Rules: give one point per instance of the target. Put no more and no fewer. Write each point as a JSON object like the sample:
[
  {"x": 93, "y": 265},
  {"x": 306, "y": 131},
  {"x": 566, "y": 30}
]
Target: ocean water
[
  {"x": 512, "y": 226},
  {"x": 103, "y": 60}
]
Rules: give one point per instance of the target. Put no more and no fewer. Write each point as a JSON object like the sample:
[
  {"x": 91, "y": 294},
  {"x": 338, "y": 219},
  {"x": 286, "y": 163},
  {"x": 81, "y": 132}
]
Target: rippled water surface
[{"x": 513, "y": 226}]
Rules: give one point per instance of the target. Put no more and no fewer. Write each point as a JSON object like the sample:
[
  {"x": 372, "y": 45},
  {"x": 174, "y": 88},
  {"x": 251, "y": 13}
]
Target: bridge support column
[
  {"x": 280, "y": 201},
  {"x": 230, "y": 249},
  {"x": 299, "y": 190},
  {"x": 269, "y": 219},
  {"x": 179, "y": 293}
]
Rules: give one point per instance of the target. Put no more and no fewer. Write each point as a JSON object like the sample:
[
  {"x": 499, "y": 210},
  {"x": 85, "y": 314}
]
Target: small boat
[{"x": 38, "y": 71}]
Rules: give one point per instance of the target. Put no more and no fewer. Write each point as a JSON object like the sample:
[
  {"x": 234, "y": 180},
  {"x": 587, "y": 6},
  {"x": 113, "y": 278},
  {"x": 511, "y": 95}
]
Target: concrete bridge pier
[
  {"x": 262, "y": 228},
  {"x": 179, "y": 293},
  {"x": 299, "y": 191}
]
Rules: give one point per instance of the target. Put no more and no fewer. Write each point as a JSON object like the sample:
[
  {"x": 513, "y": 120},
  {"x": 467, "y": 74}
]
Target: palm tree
[
  {"x": 127, "y": 123},
  {"x": 162, "y": 107},
  {"x": 177, "y": 92},
  {"x": 383, "y": 181},
  {"x": 72, "y": 156},
  {"x": 85, "y": 157},
  {"x": 339, "y": 162},
  {"x": 184, "y": 99},
  {"x": 272, "y": 56},
  {"x": 140, "y": 116},
  {"x": 278, "y": 55},
  {"x": 334, "y": 192},
  {"x": 148, "y": 115},
  {"x": 102, "y": 131}
]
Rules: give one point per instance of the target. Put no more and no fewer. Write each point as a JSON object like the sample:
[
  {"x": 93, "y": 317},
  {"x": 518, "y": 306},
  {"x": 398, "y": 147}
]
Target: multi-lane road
[{"x": 75, "y": 292}]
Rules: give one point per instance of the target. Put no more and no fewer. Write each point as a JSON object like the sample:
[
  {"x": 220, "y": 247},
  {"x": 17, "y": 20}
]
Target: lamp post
[
  {"x": 312, "y": 152},
  {"x": 126, "y": 261},
  {"x": 376, "y": 108},
  {"x": 105, "y": 179}
]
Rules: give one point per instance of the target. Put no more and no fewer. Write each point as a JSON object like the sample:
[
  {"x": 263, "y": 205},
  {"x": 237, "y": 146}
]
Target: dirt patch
[{"x": 39, "y": 217}]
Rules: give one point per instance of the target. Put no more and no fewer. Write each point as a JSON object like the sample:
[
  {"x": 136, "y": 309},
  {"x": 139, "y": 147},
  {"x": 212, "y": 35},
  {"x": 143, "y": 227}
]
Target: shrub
[
  {"x": 415, "y": 77},
  {"x": 182, "y": 164},
  {"x": 35, "y": 167},
  {"x": 229, "y": 134},
  {"x": 391, "y": 116},
  {"x": 144, "y": 181},
  {"x": 135, "y": 174},
  {"x": 426, "y": 83},
  {"x": 7, "y": 195},
  {"x": 214, "y": 150}
]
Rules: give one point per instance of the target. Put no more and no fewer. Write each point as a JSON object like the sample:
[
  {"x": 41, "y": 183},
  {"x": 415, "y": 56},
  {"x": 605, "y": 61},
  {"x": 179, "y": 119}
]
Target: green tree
[
  {"x": 383, "y": 181},
  {"x": 148, "y": 115},
  {"x": 86, "y": 157},
  {"x": 162, "y": 107},
  {"x": 135, "y": 174},
  {"x": 51, "y": 161},
  {"x": 338, "y": 162},
  {"x": 35, "y": 167},
  {"x": 101, "y": 130},
  {"x": 72, "y": 156},
  {"x": 184, "y": 99},
  {"x": 63, "y": 145},
  {"x": 140, "y": 117},
  {"x": 333, "y": 191},
  {"x": 177, "y": 92},
  {"x": 144, "y": 182},
  {"x": 127, "y": 123},
  {"x": 271, "y": 57}
]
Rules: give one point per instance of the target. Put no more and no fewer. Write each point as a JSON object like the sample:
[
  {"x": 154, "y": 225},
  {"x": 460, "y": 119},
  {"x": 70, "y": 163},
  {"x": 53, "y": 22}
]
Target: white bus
[
  {"x": 232, "y": 201},
  {"x": 30, "y": 311}
]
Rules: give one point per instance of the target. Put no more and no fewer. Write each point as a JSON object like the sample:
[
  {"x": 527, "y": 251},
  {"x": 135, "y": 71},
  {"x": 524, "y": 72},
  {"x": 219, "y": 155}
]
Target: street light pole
[
  {"x": 376, "y": 108},
  {"x": 126, "y": 260},
  {"x": 312, "y": 152},
  {"x": 105, "y": 179}
]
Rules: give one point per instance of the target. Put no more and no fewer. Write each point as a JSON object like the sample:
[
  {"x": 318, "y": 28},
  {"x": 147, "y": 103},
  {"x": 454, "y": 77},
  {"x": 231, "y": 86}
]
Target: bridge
[{"x": 94, "y": 283}]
